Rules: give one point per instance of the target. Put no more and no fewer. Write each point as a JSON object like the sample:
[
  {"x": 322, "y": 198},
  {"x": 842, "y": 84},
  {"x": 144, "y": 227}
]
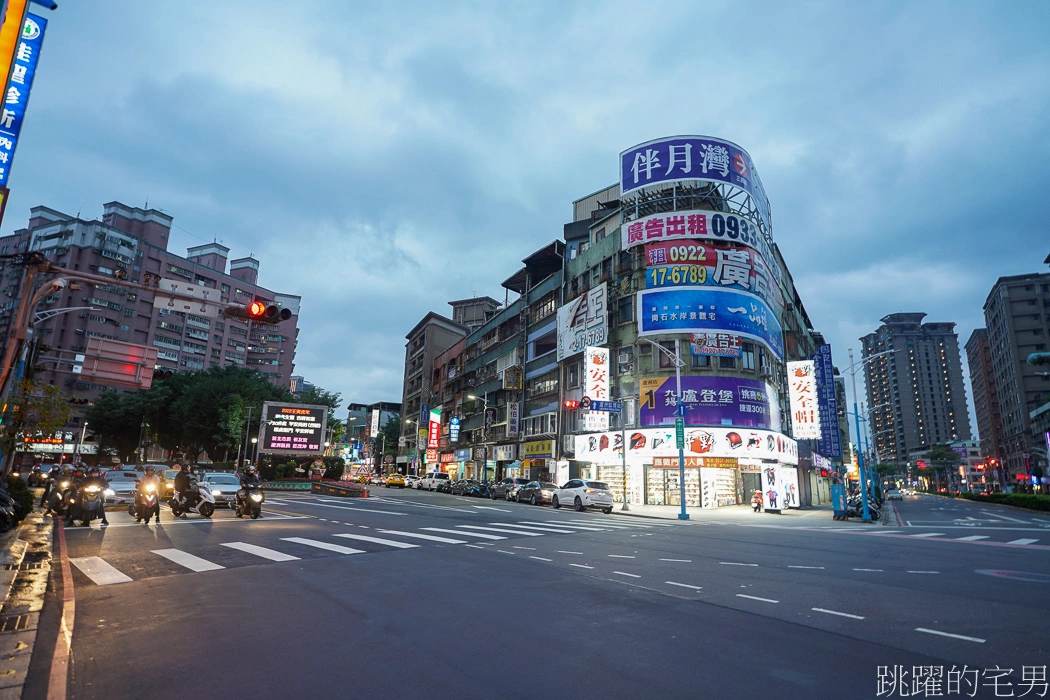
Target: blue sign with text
[
  {"x": 23, "y": 68},
  {"x": 827, "y": 404},
  {"x": 607, "y": 406}
]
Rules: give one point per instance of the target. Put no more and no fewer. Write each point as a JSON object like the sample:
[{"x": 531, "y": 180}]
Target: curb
[{"x": 58, "y": 679}]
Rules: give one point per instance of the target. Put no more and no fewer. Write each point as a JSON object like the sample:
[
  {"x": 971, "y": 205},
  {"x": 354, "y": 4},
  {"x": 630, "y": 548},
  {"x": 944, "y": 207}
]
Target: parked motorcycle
[
  {"x": 203, "y": 505},
  {"x": 8, "y": 519},
  {"x": 147, "y": 503},
  {"x": 249, "y": 502}
]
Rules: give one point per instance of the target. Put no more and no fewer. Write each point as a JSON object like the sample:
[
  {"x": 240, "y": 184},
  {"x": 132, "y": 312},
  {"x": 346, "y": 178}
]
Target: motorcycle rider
[
  {"x": 186, "y": 494},
  {"x": 150, "y": 478},
  {"x": 94, "y": 478},
  {"x": 249, "y": 480}
]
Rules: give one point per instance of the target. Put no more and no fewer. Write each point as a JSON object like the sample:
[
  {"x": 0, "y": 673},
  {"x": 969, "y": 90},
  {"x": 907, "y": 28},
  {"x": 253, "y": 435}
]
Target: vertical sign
[
  {"x": 513, "y": 419},
  {"x": 434, "y": 439},
  {"x": 453, "y": 429},
  {"x": 375, "y": 422},
  {"x": 827, "y": 404},
  {"x": 596, "y": 386},
  {"x": 11, "y": 24},
  {"x": 802, "y": 391},
  {"x": 424, "y": 414},
  {"x": 23, "y": 68}
]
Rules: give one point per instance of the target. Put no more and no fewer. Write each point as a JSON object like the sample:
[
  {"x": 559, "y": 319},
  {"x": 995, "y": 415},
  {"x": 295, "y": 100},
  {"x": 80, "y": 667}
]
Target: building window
[
  {"x": 625, "y": 309},
  {"x": 727, "y": 363},
  {"x": 748, "y": 356},
  {"x": 666, "y": 360},
  {"x": 701, "y": 361},
  {"x": 574, "y": 375}
]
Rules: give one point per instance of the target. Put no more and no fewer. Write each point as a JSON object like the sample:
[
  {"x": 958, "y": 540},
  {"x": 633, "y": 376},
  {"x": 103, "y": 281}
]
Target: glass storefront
[{"x": 704, "y": 487}]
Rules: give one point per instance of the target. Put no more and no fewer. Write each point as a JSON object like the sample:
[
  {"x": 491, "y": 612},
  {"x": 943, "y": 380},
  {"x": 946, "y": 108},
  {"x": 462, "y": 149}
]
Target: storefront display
[
  {"x": 704, "y": 487},
  {"x": 647, "y": 443},
  {"x": 614, "y": 477}
]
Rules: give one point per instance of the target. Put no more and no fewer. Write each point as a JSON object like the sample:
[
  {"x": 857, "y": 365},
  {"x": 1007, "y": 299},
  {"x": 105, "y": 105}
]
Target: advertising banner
[
  {"x": 504, "y": 453},
  {"x": 375, "y": 421},
  {"x": 715, "y": 345},
  {"x": 647, "y": 443},
  {"x": 453, "y": 429},
  {"x": 293, "y": 429},
  {"x": 23, "y": 69},
  {"x": 434, "y": 434},
  {"x": 596, "y": 386},
  {"x": 827, "y": 404},
  {"x": 779, "y": 487},
  {"x": 722, "y": 401},
  {"x": 690, "y": 263},
  {"x": 432, "y": 456},
  {"x": 802, "y": 393},
  {"x": 692, "y": 158},
  {"x": 698, "y": 224},
  {"x": 706, "y": 309},
  {"x": 513, "y": 419},
  {"x": 582, "y": 322}
]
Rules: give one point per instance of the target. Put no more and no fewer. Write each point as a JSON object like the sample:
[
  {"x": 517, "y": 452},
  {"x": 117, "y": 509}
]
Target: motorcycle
[
  {"x": 90, "y": 506},
  {"x": 62, "y": 497},
  {"x": 147, "y": 503},
  {"x": 249, "y": 502},
  {"x": 8, "y": 519},
  {"x": 204, "y": 505}
]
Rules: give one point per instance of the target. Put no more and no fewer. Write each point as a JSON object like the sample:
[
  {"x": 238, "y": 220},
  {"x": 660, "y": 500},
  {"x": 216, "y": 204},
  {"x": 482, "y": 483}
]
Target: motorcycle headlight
[
  {"x": 151, "y": 487},
  {"x": 257, "y": 497},
  {"x": 108, "y": 492},
  {"x": 92, "y": 489},
  {"x": 65, "y": 484},
  {"x": 216, "y": 492}
]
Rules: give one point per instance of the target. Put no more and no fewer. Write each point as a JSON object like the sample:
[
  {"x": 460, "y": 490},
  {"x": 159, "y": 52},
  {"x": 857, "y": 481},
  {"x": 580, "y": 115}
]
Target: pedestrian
[{"x": 756, "y": 501}]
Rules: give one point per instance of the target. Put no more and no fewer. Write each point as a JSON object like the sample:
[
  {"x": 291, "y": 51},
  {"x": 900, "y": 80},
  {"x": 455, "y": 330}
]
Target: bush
[
  {"x": 22, "y": 496},
  {"x": 334, "y": 467},
  {"x": 1032, "y": 501}
]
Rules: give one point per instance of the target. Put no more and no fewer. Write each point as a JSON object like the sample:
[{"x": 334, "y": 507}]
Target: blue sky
[{"x": 382, "y": 158}]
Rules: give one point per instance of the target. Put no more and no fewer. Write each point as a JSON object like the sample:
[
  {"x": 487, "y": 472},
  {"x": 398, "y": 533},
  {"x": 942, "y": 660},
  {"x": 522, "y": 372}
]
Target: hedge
[{"x": 1032, "y": 501}]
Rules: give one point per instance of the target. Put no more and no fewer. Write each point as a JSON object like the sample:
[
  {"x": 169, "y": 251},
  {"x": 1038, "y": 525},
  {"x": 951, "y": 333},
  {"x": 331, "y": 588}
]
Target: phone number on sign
[{"x": 672, "y": 275}]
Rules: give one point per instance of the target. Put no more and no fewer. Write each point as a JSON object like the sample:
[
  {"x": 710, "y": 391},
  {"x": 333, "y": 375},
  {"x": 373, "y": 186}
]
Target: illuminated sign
[
  {"x": 802, "y": 393},
  {"x": 647, "y": 443},
  {"x": 293, "y": 428},
  {"x": 596, "y": 386},
  {"x": 434, "y": 439},
  {"x": 23, "y": 69}
]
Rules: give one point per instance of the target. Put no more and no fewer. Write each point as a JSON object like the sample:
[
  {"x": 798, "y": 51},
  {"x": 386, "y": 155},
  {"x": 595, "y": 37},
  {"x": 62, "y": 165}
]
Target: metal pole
[
  {"x": 681, "y": 450},
  {"x": 866, "y": 516},
  {"x": 80, "y": 448},
  {"x": 623, "y": 457},
  {"x": 247, "y": 429}
]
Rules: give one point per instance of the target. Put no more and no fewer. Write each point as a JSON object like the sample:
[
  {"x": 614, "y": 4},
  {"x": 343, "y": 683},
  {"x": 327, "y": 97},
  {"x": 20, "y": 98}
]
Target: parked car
[
  {"x": 507, "y": 488},
  {"x": 397, "y": 480},
  {"x": 223, "y": 487},
  {"x": 412, "y": 481},
  {"x": 582, "y": 494},
  {"x": 894, "y": 495},
  {"x": 121, "y": 489},
  {"x": 433, "y": 480},
  {"x": 536, "y": 492}
]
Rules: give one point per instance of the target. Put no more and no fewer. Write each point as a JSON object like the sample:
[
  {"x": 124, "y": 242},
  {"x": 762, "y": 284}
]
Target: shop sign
[
  {"x": 462, "y": 455},
  {"x": 479, "y": 453},
  {"x": 802, "y": 393},
  {"x": 421, "y": 439},
  {"x": 447, "y": 457},
  {"x": 696, "y": 462},
  {"x": 453, "y": 429},
  {"x": 424, "y": 413},
  {"x": 706, "y": 309},
  {"x": 512, "y": 378},
  {"x": 715, "y": 345},
  {"x": 779, "y": 487},
  {"x": 582, "y": 322},
  {"x": 513, "y": 419},
  {"x": 538, "y": 448},
  {"x": 375, "y": 421},
  {"x": 692, "y": 263},
  {"x": 435, "y": 428},
  {"x": 821, "y": 462},
  {"x": 504, "y": 453},
  {"x": 648, "y": 443},
  {"x": 750, "y": 469},
  {"x": 827, "y": 404},
  {"x": 432, "y": 456},
  {"x": 596, "y": 386},
  {"x": 722, "y": 401},
  {"x": 23, "y": 70}
]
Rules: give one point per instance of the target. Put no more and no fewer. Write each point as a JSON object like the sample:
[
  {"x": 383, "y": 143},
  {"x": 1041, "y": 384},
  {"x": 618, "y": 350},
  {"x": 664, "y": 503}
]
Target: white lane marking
[
  {"x": 624, "y": 573},
  {"x": 684, "y": 561},
  {"x": 432, "y": 538},
  {"x": 502, "y": 510},
  {"x": 324, "y": 519},
  {"x": 562, "y": 551},
  {"x": 790, "y": 566},
  {"x": 972, "y": 538},
  {"x": 99, "y": 570},
  {"x": 191, "y": 562},
  {"x": 1003, "y": 517},
  {"x": 752, "y": 597},
  {"x": 377, "y": 540},
  {"x": 460, "y": 532},
  {"x": 278, "y": 502},
  {"x": 504, "y": 551},
  {"x": 581, "y": 566},
  {"x": 949, "y": 634},
  {"x": 840, "y": 614},
  {"x": 930, "y": 534},
  {"x": 683, "y": 585},
  {"x": 202, "y": 521},
  {"x": 572, "y": 527},
  {"x": 735, "y": 563},
  {"x": 504, "y": 530},
  {"x": 1022, "y": 541},
  {"x": 620, "y": 556},
  {"x": 924, "y": 572},
  {"x": 532, "y": 528},
  {"x": 355, "y": 508},
  {"x": 421, "y": 505},
  {"x": 271, "y": 554},
  {"x": 474, "y": 546},
  {"x": 531, "y": 549},
  {"x": 323, "y": 545},
  {"x": 540, "y": 558},
  {"x": 867, "y": 569}
]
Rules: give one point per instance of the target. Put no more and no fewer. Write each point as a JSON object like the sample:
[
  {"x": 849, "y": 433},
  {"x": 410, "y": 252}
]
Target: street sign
[
  {"x": 209, "y": 304},
  {"x": 607, "y": 406},
  {"x": 679, "y": 433},
  {"x": 585, "y": 402}
]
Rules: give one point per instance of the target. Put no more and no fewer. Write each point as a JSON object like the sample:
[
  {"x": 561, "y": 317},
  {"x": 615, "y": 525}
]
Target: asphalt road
[{"x": 441, "y": 596}]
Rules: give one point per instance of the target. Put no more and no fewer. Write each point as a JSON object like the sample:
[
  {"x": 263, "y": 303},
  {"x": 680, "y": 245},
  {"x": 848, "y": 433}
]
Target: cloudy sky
[{"x": 382, "y": 158}]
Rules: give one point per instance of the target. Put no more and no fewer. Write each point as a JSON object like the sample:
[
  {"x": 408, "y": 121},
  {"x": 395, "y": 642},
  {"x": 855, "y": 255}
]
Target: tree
[
  {"x": 33, "y": 409},
  {"x": 392, "y": 430},
  {"x": 316, "y": 396},
  {"x": 943, "y": 458}
]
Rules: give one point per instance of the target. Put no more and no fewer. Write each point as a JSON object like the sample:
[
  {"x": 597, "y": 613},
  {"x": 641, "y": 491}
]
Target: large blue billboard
[
  {"x": 705, "y": 309},
  {"x": 23, "y": 68},
  {"x": 827, "y": 404},
  {"x": 692, "y": 158}
]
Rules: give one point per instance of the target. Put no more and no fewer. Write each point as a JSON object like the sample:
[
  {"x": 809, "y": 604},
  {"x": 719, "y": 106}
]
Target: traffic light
[
  {"x": 162, "y": 373},
  {"x": 258, "y": 311},
  {"x": 571, "y": 405}
]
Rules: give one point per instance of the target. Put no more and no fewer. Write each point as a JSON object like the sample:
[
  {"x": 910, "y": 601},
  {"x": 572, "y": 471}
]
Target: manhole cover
[{"x": 1016, "y": 575}]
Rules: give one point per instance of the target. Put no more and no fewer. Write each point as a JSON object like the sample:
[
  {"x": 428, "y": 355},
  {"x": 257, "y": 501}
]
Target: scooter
[
  {"x": 249, "y": 502},
  {"x": 147, "y": 503},
  {"x": 204, "y": 505},
  {"x": 90, "y": 505}
]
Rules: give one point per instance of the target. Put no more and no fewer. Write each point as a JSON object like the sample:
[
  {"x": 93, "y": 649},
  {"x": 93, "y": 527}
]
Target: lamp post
[
  {"x": 413, "y": 441},
  {"x": 80, "y": 445},
  {"x": 484, "y": 436},
  {"x": 681, "y": 413},
  {"x": 255, "y": 449},
  {"x": 247, "y": 429},
  {"x": 866, "y": 515}
]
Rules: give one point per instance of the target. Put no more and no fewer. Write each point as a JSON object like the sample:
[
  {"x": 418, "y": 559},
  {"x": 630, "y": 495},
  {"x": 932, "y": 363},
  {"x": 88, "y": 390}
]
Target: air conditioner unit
[
  {"x": 626, "y": 367},
  {"x": 766, "y": 372},
  {"x": 624, "y": 357}
]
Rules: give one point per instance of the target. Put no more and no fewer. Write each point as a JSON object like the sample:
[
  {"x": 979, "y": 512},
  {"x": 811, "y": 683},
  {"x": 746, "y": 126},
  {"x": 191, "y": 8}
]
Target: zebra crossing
[
  {"x": 96, "y": 570},
  {"x": 997, "y": 538}
]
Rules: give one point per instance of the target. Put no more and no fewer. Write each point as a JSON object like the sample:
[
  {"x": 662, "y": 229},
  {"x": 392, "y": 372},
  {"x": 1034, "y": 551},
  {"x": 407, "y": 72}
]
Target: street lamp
[
  {"x": 484, "y": 436},
  {"x": 255, "y": 449},
  {"x": 852, "y": 369},
  {"x": 678, "y": 364}
]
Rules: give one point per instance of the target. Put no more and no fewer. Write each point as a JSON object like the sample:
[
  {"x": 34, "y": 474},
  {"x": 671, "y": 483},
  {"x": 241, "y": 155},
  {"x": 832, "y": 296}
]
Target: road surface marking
[
  {"x": 504, "y": 530},
  {"x": 573, "y": 527},
  {"x": 432, "y": 538},
  {"x": 684, "y": 561},
  {"x": 99, "y": 570},
  {"x": 923, "y": 572},
  {"x": 735, "y": 563},
  {"x": 531, "y": 549},
  {"x": 355, "y": 508},
  {"x": 683, "y": 585},
  {"x": 581, "y": 566},
  {"x": 972, "y": 538},
  {"x": 541, "y": 558},
  {"x": 188, "y": 560},
  {"x": 531, "y": 528},
  {"x": 474, "y": 546},
  {"x": 620, "y": 556},
  {"x": 502, "y": 510},
  {"x": 624, "y": 573},
  {"x": 1022, "y": 541},
  {"x": 804, "y": 567},
  {"x": 324, "y": 519},
  {"x": 840, "y": 614},
  {"x": 752, "y": 597},
  {"x": 867, "y": 569},
  {"x": 271, "y": 554},
  {"x": 562, "y": 551},
  {"x": 930, "y": 534},
  {"x": 1003, "y": 517},
  {"x": 377, "y": 540},
  {"x": 953, "y": 636},
  {"x": 270, "y": 515},
  {"x": 460, "y": 532},
  {"x": 504, "y": 551},
  {"x": 323, "y": 545}
]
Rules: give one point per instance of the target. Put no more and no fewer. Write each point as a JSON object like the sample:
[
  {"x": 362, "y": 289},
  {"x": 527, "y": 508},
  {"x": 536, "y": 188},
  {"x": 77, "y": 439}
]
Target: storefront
[
  {"x": 464, "y": 466},
  {"x": 449, "y": 464},
  {"x": 535, "y": 458},
  {"x": 503, "y": 455}
]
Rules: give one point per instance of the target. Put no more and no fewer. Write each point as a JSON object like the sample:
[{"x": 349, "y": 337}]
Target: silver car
[
  {"x": 122, "y": 486},
  {"x": 223, "y": 487}
]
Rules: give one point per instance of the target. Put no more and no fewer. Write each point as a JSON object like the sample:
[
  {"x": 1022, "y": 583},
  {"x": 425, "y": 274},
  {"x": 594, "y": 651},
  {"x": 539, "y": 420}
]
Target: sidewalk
[{"x": 813, "y": 516}]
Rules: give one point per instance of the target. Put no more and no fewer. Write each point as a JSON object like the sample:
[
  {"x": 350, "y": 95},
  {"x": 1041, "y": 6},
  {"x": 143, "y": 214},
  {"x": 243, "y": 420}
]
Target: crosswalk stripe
[
  {"x": 432, "y": 538},
  {"x": 971, "y": 538},
  {"x": 99, "y": 570},
  {"x": 271, "y": 554},
  {"x": 323, "y": 545},
  {"x": 505, "y": 510},
  {"x": 1022, "y": 541},
  {"x": 460, "y": 532},
  {"x": 190, "y": 561},
  {"x": 930, "y": 534},
  {"x": 377, "y": 540},
  {"x": 574, "y": 527},
  {"x": 541, "y": 528},
  {"x": 503, "y": 530}
]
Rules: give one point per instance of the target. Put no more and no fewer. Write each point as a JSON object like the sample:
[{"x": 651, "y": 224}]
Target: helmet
[
  {"x": 78, "y": 472},
  {"x": 151, "y": 470},
  {"x": 184, "y": 467},
  {"x": 94, "y": 471},
  {"x": 250, "y": 469}
]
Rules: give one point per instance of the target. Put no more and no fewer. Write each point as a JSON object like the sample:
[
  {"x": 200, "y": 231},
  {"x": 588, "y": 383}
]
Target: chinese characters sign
[
  {"x": 513, "y": 419},
  {"x": 706, "y": 309},
  {"x": 723, "y": 401},
  {"x": 827, "y": 404},
  {"x": 23, "y": 68},
  {"x": 453, "y": 429},
  {"x": 596, "y": 386},
  {"x": 690, "y": 263},
  {"x": 715, "y": 345},
  {"x": 646, "y": 443},
  {"x": 375, "y": 422},
  {"x": 692, "y": 158},
  {"x": 434, "y": 435},
  {"x": 582, "y": 322},
  {"x": 293, "y": 428},
  {"x": 802, "y": 392}
]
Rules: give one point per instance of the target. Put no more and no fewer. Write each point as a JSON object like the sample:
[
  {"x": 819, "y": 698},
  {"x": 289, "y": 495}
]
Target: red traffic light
[
  {"x": 571, "y": 405},
  {"x": 256, "y": 309}
]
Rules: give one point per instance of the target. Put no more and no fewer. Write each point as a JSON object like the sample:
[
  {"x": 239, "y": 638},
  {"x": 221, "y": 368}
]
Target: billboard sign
[
  {"x": 692, "y": 158},
  {"x": 802, "y": 393},
  {"x": 513, "y": 419},
  {"x": 434, "y": 434},
  {"x": 692, "y": 263},
  {"x": 293, "y": 429},
  {"x": 827, "y": 404},
  {"x": 23, "y": 69},
  {"x": 721, "y": 401},
  {"x": 715, "y": 345},
  {"x": 646, "y": 443},
  {"x": 779, "y": 487},
  {"x": 596, "y": 386},
  {"x": 707, "y": 309},
  {"x": 375, "y": 422},
  {"x": 583, "y": 321}
]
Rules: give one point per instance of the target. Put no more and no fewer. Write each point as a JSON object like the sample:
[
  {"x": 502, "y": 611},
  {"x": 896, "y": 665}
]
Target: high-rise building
[
  {"x": 1017, "y": 315},
  {"x": 985, "y": 396},
  {"x": 915, "y": 390}
]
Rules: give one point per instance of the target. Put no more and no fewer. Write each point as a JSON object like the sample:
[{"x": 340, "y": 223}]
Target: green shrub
[
  {"x": 22, "y": 496},
  {"x": 1032, "y": 501}
]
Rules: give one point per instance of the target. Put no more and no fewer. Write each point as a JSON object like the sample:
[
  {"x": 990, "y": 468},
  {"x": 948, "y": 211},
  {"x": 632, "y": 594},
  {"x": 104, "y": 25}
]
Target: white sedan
[
  {"x": 584, "y": 493},
  {"x": 223, "y": 487}
]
